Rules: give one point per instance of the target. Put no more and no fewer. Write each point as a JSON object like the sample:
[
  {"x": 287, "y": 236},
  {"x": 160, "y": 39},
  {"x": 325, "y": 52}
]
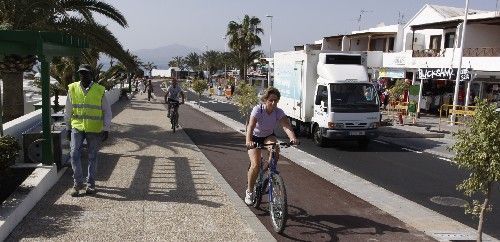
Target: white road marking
[
  {"x": 382, "y": 142},
  {"x": 416, "y": 151},
  {"x": 445, "y": 159}
]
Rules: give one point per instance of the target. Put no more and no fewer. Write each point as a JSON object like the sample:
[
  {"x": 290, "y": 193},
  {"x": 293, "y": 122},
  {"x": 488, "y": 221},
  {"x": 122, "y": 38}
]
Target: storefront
[{"x": 437, "y": 87}]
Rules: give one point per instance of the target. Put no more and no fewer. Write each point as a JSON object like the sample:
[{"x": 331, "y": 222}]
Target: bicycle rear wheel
[
  {"x": 173, "y": 120},
  {"x": 278, "y": 207}
]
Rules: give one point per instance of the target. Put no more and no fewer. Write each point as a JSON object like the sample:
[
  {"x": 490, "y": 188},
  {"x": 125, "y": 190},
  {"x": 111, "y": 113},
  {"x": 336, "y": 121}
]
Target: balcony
[
  {"x": 482, "y": 52},
  {"x": 428, "y": 53}
]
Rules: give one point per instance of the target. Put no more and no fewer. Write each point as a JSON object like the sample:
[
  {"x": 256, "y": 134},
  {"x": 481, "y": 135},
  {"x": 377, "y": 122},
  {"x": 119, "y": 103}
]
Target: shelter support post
[{"x": 47, "y": 156}]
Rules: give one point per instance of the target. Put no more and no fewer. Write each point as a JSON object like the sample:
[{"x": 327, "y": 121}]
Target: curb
[
  {"x": 26, "y": 196},
  {"x": 390, "y": 140}
]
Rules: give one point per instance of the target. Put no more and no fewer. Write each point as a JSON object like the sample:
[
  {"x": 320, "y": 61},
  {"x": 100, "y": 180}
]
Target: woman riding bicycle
[
  {"x": 263, "y": 119},
  {"x": 172, "y": 94}
]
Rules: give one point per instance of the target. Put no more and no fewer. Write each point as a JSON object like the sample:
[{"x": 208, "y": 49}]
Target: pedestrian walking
[
  {"x": 142, "y": 87},
  {"x": 150, "y": 90},
  {"x": 88, "y": 117}
]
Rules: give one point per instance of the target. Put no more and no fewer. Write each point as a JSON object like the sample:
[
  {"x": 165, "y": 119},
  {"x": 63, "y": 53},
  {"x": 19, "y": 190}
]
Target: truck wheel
[
  {"x": 363, "y": 143},
  {"x": 318, "y": 138}
]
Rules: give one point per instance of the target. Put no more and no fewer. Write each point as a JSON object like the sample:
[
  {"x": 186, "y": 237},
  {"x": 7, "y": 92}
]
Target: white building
[{"x": 432, "y": 42}]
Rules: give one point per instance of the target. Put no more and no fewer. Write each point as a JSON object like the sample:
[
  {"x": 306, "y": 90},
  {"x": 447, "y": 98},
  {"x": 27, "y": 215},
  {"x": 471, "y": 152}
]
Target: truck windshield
[{"x": 354, "y": 97}]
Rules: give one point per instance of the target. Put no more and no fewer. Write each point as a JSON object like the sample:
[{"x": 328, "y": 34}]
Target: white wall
[
  {"x": 481, "y": 35},
  {"x": 17, "y": 126},
  {"x": 374, "y": 58},
  {"x": 426, "y": 15},
  {"x": 332, "y": 44},
  {"x": 362, "y": 46},
  {"x": 160, "y": 73}
]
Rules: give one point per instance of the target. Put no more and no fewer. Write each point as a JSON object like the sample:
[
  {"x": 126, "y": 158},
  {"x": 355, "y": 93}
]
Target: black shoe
[
  {"x": 75, "y": 190},
  {"x": 90, "y": 190}
]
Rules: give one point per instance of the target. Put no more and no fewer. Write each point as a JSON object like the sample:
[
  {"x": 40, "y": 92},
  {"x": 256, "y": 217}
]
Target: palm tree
[
  {"x": 149, "y": 66},
  {"x": 243, "y": 38},
  {"x": 192, "y": 60},
  {"x": 212, "y": 60},
  {"x": 69, "y": 16}
]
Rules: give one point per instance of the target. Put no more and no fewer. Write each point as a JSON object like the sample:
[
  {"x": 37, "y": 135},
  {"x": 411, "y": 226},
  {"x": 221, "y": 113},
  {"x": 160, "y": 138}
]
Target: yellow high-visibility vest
[{"x": 87, "y": 114}]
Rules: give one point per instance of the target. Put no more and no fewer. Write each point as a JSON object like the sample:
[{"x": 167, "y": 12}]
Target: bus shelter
[{"x": 44, "y": 45}]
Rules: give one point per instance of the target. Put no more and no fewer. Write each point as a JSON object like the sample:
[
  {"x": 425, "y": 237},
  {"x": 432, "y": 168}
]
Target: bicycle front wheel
[{"x": 278, "y": 207}]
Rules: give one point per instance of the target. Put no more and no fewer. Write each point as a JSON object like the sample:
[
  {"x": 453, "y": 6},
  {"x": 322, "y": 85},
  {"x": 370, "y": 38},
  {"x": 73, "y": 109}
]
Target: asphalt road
[{"x": 422, "y": 178}]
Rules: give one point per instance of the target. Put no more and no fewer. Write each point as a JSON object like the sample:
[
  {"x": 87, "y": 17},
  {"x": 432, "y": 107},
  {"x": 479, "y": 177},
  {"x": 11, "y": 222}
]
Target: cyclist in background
[
  {"x": 172, "y": 94},
  {"x": 263, "y": 119}
]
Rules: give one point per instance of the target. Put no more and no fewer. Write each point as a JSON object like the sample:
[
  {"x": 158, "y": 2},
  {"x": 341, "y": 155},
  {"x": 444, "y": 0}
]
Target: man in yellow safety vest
[{"x": 88, "y": 117}]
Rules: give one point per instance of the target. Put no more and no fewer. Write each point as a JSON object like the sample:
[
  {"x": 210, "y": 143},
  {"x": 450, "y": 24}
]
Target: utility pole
[
  {"x": 270, "y": 52},
  {"x": 460, "y": 51},
  {"x": 225, "y": 56}
]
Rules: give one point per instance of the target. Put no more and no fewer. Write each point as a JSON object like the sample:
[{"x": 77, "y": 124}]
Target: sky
[{"x": 203, "y": 23}]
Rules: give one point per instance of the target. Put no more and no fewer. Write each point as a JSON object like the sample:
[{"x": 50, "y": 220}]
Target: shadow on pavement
[
  {"x": 161, "y": 179},
  {"x": 334, "y": 225}
]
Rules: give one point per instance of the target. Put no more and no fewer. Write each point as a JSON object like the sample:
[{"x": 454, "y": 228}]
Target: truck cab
[{"x": 346, "y": 104}]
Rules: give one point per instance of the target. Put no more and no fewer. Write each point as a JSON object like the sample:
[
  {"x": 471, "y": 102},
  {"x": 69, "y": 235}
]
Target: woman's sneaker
[{"x": 248, "y": 198}]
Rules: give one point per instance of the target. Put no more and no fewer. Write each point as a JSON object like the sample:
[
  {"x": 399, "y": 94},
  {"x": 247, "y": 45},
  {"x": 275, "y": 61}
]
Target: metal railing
[
  {"x": 482, "y": 52},
  {"x": 463, "y": 114}
]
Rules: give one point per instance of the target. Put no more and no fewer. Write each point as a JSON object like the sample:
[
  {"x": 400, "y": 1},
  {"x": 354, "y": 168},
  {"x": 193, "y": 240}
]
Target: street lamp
[
  {"x": 206, "y": 62},
  {"x": 270, "y": 51},
  {"x": 225, "y": 56},
  {"x": 460, "y": 51}
]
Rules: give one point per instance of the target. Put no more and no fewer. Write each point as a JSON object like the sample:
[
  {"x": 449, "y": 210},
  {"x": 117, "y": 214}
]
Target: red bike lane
[{"x": 318, "y": 210}]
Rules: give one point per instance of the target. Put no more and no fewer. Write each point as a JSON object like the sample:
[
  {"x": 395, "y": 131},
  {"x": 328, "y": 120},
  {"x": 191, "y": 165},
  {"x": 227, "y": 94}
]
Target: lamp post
[
  {"x": 270, "y": 52},
  {"x": 225, "y": 57},
  {"x": 206, "y": 62},
  {"x": 460, "y": 51}
]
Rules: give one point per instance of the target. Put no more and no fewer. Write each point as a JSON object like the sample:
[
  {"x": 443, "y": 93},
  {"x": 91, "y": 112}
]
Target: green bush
[
  {"x": 9, "y": 150},
  {"x": 246, "y": 99},
  {"x": 199, "y": 86}
]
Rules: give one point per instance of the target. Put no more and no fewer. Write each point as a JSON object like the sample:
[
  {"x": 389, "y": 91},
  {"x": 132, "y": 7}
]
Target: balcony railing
[
  {"x": 482, "y": 52},
  {"x": 428, "y": 53}
]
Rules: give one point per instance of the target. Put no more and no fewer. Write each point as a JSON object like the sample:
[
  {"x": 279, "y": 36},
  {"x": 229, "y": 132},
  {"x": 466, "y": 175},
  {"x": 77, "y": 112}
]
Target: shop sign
[
  {"x": 392, "y": 73},
  {"x": 443, "y": 73},
  {"x": 400, "y": 60}
]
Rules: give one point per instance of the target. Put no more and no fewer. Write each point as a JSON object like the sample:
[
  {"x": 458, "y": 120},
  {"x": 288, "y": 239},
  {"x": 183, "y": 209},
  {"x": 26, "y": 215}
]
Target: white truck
[{"x": 327, "y": 95}]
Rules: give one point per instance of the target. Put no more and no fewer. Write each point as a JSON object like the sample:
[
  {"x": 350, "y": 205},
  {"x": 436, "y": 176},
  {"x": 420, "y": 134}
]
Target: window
[
  {"x": 435, "y": 43},
  {"x": 343, "y": 59},
  {"x": 354, "y": 97},
  {"x": 390, "y": 48},
  {"x": 321, "y": 95},
  {"x": 449, "y": 40}
]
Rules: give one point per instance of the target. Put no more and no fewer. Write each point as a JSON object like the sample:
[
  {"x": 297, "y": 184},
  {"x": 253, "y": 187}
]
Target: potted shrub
[{"x": 9, "y": 150}]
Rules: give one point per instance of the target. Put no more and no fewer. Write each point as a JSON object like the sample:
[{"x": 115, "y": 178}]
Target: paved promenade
[{"x": 152, "y": 185}]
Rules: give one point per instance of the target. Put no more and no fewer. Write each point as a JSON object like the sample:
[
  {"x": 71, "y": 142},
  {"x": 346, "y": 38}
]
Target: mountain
[{"x": 160, "y": 56}]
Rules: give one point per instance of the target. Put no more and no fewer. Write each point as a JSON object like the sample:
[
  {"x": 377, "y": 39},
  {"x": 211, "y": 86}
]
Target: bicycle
[
  {"x": 278, "y": 207},
  {"x": 174, "y": 114}
]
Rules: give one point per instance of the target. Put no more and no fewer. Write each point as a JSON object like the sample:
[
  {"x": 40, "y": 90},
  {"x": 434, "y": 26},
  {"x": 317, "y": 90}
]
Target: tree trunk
[
  {"x": 483, "y": 213},
  {"x": 13, "y": 99}
]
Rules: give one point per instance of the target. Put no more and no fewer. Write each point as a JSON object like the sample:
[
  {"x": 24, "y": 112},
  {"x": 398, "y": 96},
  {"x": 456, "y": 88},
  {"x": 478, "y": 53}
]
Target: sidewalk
[
  {"x": 152, "y": 185},
  {"x": 426, "y": 135}
]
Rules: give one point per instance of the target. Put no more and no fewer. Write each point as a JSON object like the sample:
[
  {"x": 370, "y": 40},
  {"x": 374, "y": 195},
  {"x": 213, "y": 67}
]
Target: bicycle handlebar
[{"x": 283, "y": 144}]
